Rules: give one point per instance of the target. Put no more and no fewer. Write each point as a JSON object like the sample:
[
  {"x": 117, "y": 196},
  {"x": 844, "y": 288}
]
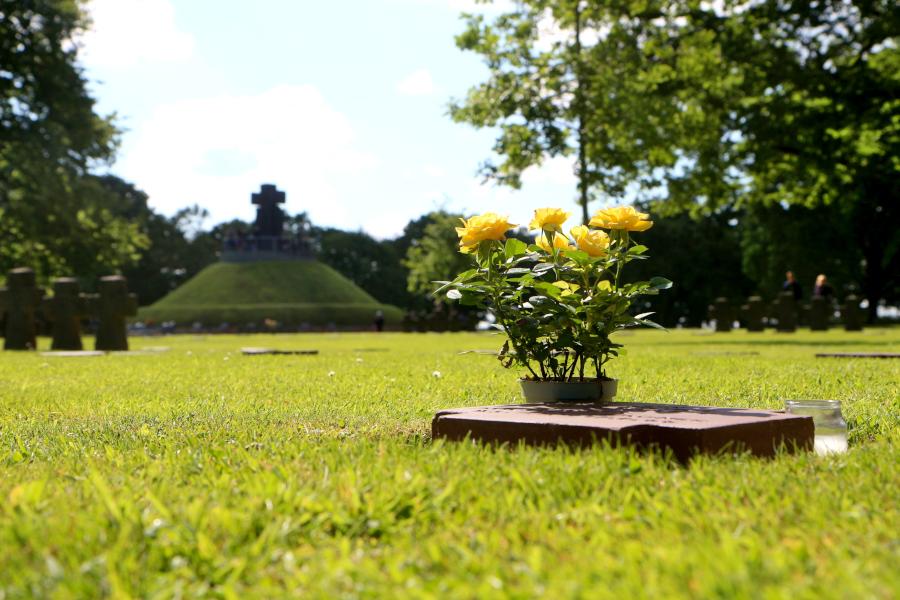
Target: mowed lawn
[{"x": 197, "y": 471}]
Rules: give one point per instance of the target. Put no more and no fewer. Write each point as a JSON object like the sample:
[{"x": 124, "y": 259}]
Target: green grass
[
  {"x": 291, "y": 292},
  {"x": 202, "y": 472}
]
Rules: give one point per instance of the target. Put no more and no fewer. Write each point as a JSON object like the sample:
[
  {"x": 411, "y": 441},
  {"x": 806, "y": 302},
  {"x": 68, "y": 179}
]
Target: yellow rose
[
  {"x": 559, "y": 241},
  {"x": 549, "y": 219},
  {"x": 489, "y": 226},
  {"x": 594, "y": 242},
  {"x": 621, "y": 217}
]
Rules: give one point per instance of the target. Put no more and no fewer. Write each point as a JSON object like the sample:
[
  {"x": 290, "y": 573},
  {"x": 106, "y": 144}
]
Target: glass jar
[{"x": 830, "y": 427}]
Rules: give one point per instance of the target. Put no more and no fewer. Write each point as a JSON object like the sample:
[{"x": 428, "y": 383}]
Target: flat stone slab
[
  {"x": 858, "y": 355},
  {"x": 686, "y": 430},
  {"x": 274, "y": 351},
  {"x": 726, "y": 353},
  {"x": 73, "y": 353}
]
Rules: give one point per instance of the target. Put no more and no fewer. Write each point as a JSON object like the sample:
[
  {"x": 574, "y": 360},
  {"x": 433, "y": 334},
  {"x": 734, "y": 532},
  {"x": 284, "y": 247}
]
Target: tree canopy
[
  {"x": 54, "y": 215},
  {"x": 704, "y": 107}
]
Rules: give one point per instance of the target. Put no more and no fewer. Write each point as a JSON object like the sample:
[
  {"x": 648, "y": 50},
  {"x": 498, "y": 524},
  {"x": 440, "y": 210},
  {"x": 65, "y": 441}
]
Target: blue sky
[{"x": 341, "y": 104}]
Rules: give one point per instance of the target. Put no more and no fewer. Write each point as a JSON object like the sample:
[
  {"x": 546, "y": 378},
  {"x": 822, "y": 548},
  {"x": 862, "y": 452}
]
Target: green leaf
[
  {"x": 660, "y": 283},
  {"x": 514, "y": 247}
]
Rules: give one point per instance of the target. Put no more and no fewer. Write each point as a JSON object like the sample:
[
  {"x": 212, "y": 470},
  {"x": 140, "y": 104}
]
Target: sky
[{"x": 343, "y": 105}]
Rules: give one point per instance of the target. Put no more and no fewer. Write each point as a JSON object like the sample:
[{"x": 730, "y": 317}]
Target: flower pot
[{"x": 589, "y": 390}]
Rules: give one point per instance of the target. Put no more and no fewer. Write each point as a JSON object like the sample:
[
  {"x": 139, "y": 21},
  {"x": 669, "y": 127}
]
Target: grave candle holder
[{"x": 831, "y": 429}]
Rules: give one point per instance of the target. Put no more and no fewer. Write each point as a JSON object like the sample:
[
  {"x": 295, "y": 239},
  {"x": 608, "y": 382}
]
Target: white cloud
[
  {"x": 125, "y": 33},
  {"x": 434, "y": 171},
  {"x": 216, "y": 151},
  {"x": 417, "y": 83}
]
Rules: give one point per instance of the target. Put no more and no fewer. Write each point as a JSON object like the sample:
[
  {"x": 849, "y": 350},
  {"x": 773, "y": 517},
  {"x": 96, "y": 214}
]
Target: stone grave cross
[
  {"x": 786, "y": 312},
  {"x": 753, "y": 313},
  {"x": 20, "y": 300},
  {"x": 818, "y": 314},
  {"x": 851, "y": 314},
  {"x": 65, "y": 310},
  {"x": 721, "y": 311},
  {"x": 269, "y": 216},
  {"x": 111, "y": 306}
]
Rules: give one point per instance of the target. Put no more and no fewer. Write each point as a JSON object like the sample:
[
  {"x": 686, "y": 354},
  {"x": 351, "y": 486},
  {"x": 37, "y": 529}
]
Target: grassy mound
[{"x": 290, "y": 292}]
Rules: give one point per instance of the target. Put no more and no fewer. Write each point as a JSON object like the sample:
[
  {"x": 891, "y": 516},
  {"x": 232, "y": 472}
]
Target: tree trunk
[{"x": 582, "y": 126}]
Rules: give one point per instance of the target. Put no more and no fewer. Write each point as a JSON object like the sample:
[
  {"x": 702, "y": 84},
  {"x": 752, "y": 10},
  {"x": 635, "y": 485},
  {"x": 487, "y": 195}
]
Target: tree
[
  {"x": 53, "y": 215},
  {"x": 548, "y": 98},
  {"x": 435, "y": 255},
  {"x": 702, "y": 254},
  {"x": 800, "y": 104},
  {"x": 371, "y": 264},
  {"x": 711, "y": 106},
  {"x": 816, "y": 243}
]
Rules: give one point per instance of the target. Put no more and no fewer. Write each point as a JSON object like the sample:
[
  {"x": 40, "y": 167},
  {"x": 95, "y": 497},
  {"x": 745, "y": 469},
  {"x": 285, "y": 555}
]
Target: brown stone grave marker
[
  {"x": 275, "y": 351},
  {"x": 818, "y": 314},
  {"x": 112, "y": 305},
  {"x": 851, "y": 314},
  {"x": 858, "y": 355},
  {"x": 753, "y": 313},
  {"x": 685, "y": 430},
  {"x": 19, "y": 300},
  {"x": 720, "y": 310},
  {"x": 65, "y": 310},
  {"x": 786, "y": 312},
  {"x": 726, "y": 353}
]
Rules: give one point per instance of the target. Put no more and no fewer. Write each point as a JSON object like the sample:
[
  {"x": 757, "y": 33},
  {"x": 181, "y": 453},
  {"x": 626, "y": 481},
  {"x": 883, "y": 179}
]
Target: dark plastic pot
[{"x": 589, "y": 390}]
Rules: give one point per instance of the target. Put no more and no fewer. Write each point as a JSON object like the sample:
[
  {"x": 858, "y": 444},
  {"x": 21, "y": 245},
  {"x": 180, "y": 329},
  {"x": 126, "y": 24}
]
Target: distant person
[
  {"x": 822, "y": 289},
  {"x": 792, "y": 285},
  {"x": 379, "y": 320}
]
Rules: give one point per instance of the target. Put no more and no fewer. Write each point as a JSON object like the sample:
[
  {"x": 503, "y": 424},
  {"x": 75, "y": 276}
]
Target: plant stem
[{"x": 521, "y": 357}]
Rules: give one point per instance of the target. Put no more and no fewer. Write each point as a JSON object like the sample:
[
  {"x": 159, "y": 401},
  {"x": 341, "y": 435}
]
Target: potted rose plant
[{"x": 558, "y": 300}]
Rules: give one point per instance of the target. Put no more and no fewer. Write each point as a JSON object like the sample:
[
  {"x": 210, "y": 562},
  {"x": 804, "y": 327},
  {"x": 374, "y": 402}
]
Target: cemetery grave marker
[
  {"x": 858, "y": 355},
  {"x": 65, "y": 310},
  {"x": 685, "y": 430},
  {"x": 249, "y": 351},
  {"x": 818, "y": 314},
  {"x": 726, "y": 353},
  {"x": 19, "y": 300},
  {"x": 786, "y": 312},
  {"x": 851, "y": 314},
  {"x": 753, "y": 313},
  {"x": 721, "y": 311},
  {"x": 112, "y": 305}
]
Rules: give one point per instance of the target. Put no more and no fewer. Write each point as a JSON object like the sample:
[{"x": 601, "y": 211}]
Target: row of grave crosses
[
  {"x": 21, "y": 300},
  {"x": 785, "y": 310}
]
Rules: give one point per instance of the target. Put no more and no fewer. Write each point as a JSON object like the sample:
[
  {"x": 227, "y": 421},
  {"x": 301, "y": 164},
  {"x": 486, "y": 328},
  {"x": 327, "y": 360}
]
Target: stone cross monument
[
  {"x": 267, "y": 240},
  {"x": 65, "y": 310},
  {"x": 269, "y": 216},
  {"x": 112, "y": 305},
  {"x": 20, "y": 300}
]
